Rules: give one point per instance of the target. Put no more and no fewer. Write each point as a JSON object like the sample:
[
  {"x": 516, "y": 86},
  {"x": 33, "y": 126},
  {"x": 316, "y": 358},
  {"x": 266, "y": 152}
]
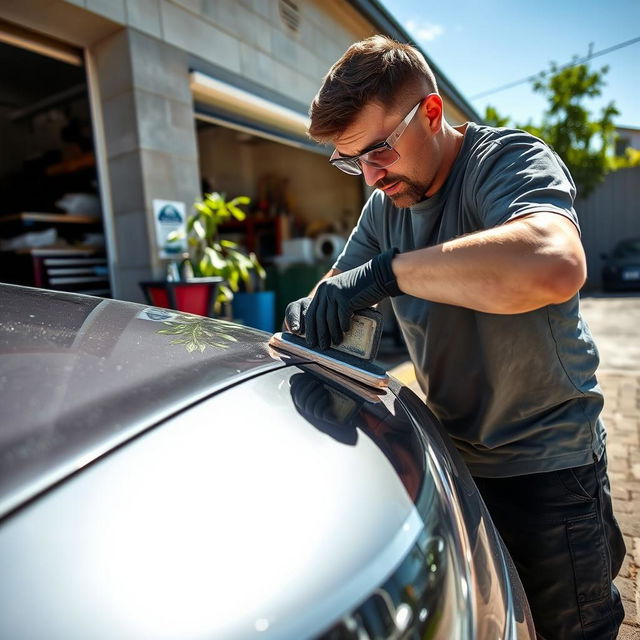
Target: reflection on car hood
[
  {"x": 79, "y": 375},
  {"x": 241, "y": 517}
]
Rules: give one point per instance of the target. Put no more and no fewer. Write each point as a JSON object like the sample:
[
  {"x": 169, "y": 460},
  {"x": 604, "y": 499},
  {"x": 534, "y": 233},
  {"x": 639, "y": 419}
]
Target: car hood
[
  {"x": 250, "y": 514},
  {"x": 80, "y": 375}
]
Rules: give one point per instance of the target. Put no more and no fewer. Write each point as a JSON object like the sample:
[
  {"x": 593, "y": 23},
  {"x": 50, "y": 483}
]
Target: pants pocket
[
  {"x": 579, "y": 483},
  {"x": 591, "y": 573}
]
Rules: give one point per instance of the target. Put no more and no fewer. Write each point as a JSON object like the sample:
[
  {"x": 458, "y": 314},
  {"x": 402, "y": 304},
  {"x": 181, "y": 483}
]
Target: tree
[{"x": 583, "y": 142}]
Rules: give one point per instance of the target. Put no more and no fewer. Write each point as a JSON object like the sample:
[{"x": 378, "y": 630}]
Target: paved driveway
[{"x": 615, "y": 324}]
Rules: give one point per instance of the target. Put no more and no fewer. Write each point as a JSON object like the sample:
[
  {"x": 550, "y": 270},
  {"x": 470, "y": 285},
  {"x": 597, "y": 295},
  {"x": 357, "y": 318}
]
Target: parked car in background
[
  {"x": 166, "y": 475},
  {"x": 621, "y": 270}
]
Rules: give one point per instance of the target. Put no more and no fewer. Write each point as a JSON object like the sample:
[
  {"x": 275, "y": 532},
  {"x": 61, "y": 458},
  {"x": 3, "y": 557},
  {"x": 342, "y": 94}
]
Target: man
[{"x": 473, "y": 235}]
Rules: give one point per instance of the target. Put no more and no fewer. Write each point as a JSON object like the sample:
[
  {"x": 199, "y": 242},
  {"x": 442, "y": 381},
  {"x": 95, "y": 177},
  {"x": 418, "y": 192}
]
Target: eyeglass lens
[{"x": 377, "y": 158}]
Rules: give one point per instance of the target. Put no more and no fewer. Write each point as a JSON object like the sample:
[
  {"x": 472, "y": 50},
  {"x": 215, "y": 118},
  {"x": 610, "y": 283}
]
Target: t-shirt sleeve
[
  {"x": 520, "y": 175},
  {"x": 363, "y": 243}
]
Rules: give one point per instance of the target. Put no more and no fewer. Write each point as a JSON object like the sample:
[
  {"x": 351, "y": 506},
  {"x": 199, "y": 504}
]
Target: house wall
[
  {"x": 139, "y": 55},
  {"x": 610, "y": 214},
  {"x": 627, "y": 138},
  {"x": 247, "y": 37}
]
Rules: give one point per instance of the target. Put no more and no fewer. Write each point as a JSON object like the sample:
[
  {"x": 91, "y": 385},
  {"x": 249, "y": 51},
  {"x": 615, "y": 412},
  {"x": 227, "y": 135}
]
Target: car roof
[{"x": 80, "y": 375}]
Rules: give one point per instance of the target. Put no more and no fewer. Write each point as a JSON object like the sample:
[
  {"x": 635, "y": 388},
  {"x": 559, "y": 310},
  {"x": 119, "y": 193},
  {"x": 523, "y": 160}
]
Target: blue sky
[{"x": 483, "y": 45}]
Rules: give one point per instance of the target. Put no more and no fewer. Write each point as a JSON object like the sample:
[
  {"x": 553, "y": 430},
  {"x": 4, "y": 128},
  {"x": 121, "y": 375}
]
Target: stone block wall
[{"x": 248, "y": 37}]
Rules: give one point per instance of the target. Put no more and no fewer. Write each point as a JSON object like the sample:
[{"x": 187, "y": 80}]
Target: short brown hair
[{"x": 377, "y": 69}]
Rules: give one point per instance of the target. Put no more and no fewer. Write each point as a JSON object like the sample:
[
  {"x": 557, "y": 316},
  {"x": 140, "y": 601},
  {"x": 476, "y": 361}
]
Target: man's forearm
[{"x": 517, "y": 267}]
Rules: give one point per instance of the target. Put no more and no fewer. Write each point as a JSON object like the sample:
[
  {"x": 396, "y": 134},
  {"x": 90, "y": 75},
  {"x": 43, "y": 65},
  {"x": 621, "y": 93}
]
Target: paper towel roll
[{"x": 328, "y": 246}]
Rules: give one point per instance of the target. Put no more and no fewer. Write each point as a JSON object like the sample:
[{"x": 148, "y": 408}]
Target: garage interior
[
  {"x": 51, "y": 229},
  {"x": 302, "y": 209}
]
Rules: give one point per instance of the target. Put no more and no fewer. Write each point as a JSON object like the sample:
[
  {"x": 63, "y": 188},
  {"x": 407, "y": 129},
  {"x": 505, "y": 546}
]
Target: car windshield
[{"x": 627, "y": 249}]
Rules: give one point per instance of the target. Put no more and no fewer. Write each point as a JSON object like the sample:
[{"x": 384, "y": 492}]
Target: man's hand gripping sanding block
[{"x": 353, "y": 357}]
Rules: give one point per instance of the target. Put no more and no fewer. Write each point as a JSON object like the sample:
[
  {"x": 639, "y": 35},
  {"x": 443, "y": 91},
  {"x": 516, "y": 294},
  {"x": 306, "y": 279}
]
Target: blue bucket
[{"x": 255, "y": 309}]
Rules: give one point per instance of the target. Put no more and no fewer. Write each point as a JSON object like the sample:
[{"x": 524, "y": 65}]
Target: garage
[{"x": 51, "y": 227}]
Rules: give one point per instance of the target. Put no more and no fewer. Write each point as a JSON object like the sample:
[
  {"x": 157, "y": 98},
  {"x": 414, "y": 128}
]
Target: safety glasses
[{"x": 380, "y": 155}]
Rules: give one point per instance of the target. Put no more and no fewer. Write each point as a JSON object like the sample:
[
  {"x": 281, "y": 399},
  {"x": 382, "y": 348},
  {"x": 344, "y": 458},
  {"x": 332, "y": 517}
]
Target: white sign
[
  {"x": 157, "y": 315},
  {"x": 170, "y": 216}
]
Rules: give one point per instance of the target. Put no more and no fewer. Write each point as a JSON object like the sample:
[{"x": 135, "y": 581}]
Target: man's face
[{"x": 407, "y": 181}]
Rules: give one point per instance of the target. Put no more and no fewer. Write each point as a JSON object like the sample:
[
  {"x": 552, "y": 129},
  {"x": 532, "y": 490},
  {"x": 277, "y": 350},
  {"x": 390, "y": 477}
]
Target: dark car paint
[
  {"x": 476, "y": 515},
  {"x": 624, "y": 258},
  {"x": 81, "y": 375},
  {"x": 108, "y": 376}
]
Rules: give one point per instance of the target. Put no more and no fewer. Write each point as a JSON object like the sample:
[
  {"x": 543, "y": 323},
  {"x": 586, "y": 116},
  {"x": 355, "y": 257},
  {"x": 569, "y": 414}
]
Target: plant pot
[
  {"x": 255, "y": 309},
  {"x": 194, "y": 296}
]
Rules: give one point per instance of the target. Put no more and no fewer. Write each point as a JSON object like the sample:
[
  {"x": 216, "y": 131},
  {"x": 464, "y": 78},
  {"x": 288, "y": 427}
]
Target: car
[
  {"x": 166, "y": 475},
  {"x": 621, "y": 270}
]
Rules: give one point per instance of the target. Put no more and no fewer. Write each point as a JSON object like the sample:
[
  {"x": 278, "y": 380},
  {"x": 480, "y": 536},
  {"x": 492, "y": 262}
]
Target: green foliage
[
  {"x": 209, "y": 255},
  {"x": 631, "y": 158},
  {"x": 196, "y": 334},
  {"x": 493, "y": 118},
  {"x": 583, "y": 141}
]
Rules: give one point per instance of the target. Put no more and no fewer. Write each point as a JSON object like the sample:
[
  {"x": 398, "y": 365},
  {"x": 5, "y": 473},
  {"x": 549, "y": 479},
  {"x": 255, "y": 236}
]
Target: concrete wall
[
  {"x": 247, "y": 37},
  {"x": 611, "y": 213},
  {"x": 150, "y": 145}
]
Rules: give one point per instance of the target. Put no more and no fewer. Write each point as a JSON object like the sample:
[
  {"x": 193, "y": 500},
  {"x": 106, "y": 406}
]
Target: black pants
[{"x": 560, "y": 530}]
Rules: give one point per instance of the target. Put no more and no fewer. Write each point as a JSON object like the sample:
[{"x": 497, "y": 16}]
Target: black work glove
[
  {"x": 328, "y": 316},
  {"x": 294, "y": 315}
]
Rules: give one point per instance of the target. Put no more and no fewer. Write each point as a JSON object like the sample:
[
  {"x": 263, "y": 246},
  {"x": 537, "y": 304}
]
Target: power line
[{"x": 566, "y": 66}]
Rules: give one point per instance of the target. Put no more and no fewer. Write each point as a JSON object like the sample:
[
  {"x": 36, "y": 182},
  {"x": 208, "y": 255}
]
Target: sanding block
[{"x": 353, "y": 357}]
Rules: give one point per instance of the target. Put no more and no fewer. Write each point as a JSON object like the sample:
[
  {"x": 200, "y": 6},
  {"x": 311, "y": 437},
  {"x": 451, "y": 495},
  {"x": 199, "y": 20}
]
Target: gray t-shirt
[{"x": 517, "y": 393}]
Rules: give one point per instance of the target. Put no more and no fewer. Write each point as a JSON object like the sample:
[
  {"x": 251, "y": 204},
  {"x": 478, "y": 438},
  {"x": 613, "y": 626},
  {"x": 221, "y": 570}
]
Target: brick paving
[{"x": 622, "y": 420}]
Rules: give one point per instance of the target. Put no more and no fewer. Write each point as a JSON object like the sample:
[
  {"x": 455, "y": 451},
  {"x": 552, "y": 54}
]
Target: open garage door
[{"x": 51, "y": 228}]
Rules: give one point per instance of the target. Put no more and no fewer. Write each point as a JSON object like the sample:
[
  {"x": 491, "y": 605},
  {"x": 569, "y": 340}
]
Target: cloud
[{"x": 424, "y": 31}]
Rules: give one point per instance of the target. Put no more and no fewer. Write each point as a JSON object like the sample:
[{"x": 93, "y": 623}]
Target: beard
[{"x": 411, "y": 191}]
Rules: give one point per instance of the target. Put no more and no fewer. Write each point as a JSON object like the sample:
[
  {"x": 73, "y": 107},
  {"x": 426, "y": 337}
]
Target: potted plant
[{"x": 210, "y": 255}]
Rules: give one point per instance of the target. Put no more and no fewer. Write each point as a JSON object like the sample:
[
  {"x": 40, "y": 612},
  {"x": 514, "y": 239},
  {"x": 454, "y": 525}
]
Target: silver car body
[{"x": 163, "y": 477}]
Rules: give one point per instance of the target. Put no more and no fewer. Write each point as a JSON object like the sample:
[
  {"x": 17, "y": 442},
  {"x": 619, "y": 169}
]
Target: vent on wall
[{"x": 290, "y": 15}]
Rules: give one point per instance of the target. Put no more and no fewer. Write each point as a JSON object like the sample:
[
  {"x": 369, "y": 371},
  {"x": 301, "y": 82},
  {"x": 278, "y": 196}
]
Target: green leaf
[
  {"x": 205, "y": 265},
  {"x": 226, "y": 293},
  {"x": 262, "y": 274},
  {"x": 216, "y": 260},
  {"x": 240, "y": 200},
  {"x": 240, "y": 259},
  {"x": 229, "y": 244},
  {"x": 178, "y": 234},
  {"x": 238, "y": 214},
  {"x": 233, "y": 279},
  {"x": 202, "y": 208},
  {"x": 199, "y": 229}
]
